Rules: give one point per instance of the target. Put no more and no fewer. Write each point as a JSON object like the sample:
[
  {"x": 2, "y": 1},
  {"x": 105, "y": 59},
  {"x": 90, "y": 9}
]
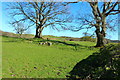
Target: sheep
[
  {"x": 49, "y": 43},
  {"x": 46, "y": 43},
  {"x": 41, "y": 43}
]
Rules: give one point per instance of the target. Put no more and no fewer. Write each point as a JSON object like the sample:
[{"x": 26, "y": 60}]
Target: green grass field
[{"x": 24, "y": 58}]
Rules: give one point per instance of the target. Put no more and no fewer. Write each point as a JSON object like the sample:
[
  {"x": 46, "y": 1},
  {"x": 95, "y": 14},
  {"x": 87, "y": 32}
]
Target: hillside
[
  {"x": 10, "y": 34},
  {"x": 50, "y": 37}
]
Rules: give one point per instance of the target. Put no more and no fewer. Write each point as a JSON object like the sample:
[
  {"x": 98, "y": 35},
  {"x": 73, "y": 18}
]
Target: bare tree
[
  {"x": 86, "y": 34},
  {"x": 19, "y": 28},
  {"x": 99, "y": 19},
  {"x": 39, "y": 14}
]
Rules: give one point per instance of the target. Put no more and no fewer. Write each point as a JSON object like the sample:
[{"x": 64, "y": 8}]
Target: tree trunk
[
  {"x": 38, "y": 33},
  {"x": 100, "y": 39},
  {"x": 101, "y": 33}
]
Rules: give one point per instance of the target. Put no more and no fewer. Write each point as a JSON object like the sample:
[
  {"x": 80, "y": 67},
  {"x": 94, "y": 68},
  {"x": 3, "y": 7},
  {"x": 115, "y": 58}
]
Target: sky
[{"x": 74, "y": 9}]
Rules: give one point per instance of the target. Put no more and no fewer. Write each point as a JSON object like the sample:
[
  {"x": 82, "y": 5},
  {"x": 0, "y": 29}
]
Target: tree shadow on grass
[
  {"x": 99, "y": 66},
  {"x": 37, "y": 41},
  {"x": 76, "y": 46},
  {"x": 72, "y": 44},
  {"x": 83, "y": 69}
]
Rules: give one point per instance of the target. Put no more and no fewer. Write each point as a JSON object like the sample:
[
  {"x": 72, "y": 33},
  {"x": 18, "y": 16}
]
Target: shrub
[
  {"x": 104, "y": 65},
  {"x": 87, "y": 38}
]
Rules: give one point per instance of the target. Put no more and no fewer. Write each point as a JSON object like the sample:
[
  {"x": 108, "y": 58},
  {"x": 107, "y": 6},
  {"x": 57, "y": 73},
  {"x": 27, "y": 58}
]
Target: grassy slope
[{"x": 25, "y": 59}]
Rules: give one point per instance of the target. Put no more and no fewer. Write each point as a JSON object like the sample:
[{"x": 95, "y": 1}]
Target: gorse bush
[
  {"x": 87, "y": 38},
  {"x": 104, "y": 65}
]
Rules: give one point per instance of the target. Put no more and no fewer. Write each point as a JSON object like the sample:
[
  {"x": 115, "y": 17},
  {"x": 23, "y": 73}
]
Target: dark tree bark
[
  {"x": 100, "y": 38},
  {"x": 38, "y": 32},
  {"x": 37, "y": 35}
]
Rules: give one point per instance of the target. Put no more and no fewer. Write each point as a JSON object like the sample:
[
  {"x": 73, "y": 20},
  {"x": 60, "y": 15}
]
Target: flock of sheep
[{"x": 45, "y": 43}]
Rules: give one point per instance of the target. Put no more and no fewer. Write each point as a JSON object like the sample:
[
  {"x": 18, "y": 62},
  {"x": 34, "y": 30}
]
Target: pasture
[{"x": 25, "y": 58}]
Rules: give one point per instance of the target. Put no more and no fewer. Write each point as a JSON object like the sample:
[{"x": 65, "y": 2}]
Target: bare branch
[{"x": 111, "y": 8}]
